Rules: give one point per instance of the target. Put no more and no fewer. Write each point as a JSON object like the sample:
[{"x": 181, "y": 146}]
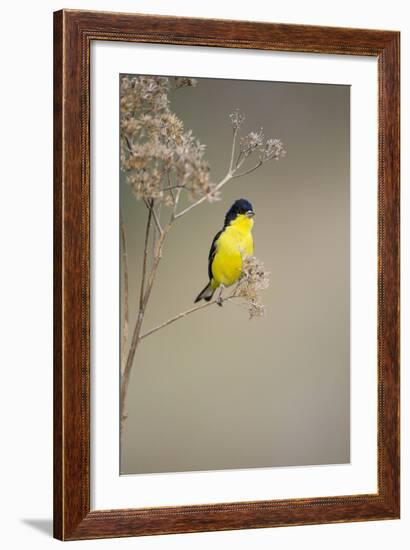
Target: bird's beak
[{"x": 250, "y": 214}]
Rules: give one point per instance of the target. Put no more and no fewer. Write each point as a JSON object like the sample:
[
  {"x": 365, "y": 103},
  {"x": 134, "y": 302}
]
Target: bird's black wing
[{"x": 212, "y": 253}]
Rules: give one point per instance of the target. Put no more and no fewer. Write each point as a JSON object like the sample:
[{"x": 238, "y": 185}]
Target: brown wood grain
[{"x": 73, "y": 33}]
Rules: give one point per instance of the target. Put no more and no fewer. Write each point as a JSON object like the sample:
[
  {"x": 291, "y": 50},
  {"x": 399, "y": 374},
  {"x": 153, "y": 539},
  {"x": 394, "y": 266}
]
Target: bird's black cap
[{"x": 241, "y": 206}]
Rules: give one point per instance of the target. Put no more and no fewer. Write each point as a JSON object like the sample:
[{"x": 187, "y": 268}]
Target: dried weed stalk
[{"x": 162, "y": 160}]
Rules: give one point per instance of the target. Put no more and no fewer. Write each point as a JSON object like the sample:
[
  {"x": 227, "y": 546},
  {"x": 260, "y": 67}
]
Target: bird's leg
[{"x": 219, "y": 300}]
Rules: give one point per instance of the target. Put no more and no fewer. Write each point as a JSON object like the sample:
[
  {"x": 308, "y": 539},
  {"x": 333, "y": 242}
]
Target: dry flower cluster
[
  {"x": 253, "y": 279},
  {"x": 161, "y": 160},
  {"x": 157, "y": 153}
]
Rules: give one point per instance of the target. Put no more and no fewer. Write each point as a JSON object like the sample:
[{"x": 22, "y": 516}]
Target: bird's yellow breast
[{"x": 234, "y": 243}]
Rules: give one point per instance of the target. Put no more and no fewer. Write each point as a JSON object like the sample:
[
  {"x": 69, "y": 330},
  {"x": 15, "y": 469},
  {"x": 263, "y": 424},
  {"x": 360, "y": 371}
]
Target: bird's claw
[{"x": 219, "y": 301}]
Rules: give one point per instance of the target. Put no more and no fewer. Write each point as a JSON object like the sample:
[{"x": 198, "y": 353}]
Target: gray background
[{"x": 215, "y": 390}]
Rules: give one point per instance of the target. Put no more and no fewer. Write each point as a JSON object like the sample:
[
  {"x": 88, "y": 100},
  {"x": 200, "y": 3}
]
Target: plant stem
[
  {"x": 150, "y": 206},
  {"x": 248, "y": 171},
  {"x": 125, "y": 327},
  {"x": 184, "y": 314},
  {"x": 144, "y": 297},
  {"x": 235, "y": 132},
  {"x": 228, "y": 176},
  {"x": 145, "y": 258}
]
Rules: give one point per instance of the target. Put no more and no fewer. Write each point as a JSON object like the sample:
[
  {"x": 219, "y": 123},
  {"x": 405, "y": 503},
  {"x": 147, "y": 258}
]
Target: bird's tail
[{"x": 206, "y": 294}]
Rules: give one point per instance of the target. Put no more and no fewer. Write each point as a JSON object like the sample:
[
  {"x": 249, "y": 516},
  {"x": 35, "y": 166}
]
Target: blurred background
[{"x": 215, "y": 390}]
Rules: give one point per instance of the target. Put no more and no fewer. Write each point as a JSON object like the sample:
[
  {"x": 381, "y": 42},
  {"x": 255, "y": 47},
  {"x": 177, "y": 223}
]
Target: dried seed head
[
  {"x": 154, "y": 144},
  {"x": 251, "y": 142},
  {"x": 253, "y": 279},
  {"x": 237, "y": 119},
  {"x": 272, "y": 149}
]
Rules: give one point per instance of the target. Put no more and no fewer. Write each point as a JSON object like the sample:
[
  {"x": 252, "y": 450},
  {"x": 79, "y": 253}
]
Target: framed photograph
[{"x": 226, "y": 275}]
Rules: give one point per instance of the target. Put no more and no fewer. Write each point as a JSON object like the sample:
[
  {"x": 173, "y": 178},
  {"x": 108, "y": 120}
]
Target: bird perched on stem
[{"x": 229, "y": 247}]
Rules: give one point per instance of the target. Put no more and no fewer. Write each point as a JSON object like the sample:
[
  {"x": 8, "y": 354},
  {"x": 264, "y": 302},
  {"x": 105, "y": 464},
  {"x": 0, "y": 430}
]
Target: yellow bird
[{"x": 228, "y": 248}]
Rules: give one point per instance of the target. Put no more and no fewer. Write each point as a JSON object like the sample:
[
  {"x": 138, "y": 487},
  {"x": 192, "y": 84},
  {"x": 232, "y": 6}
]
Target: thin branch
[
  {"x": 239, "y": 162},
  {"x": 128, "y": 143},
  {"x": 157, "y": 258},
  {"x": 205, "y": 197},
  {"x": 154, "y": 232},
  {"x": 158, "y": 213},
  {"x": 172, "y": 187},
  {"x": 185, "y": 313},
  {"x": 144, "y": 262},
  {"x": 125, "y": 327},
  {"x": 126, "y": 372},
  {"x": 230, "y": 175},
  {"x": 150, "y": 206},
  {"x": 235, "y": 133},
  {"x": 248, "y": 171},
  {"x": 144, "y": 297},
  {"x": 176, "y": 201}
]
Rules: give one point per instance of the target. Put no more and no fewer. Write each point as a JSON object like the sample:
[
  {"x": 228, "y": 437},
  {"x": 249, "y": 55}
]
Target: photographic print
[
  {"x": 235, "y": 303},
  {"x": 226, "y": 275}
]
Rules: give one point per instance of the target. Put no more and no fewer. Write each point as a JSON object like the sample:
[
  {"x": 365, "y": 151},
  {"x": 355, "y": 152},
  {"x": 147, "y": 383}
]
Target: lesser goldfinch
[{"x": 230, "y": 245}]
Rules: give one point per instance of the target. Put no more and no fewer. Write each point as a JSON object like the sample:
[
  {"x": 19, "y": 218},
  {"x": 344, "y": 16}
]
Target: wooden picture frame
[{"x": 73, "y": 33}]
